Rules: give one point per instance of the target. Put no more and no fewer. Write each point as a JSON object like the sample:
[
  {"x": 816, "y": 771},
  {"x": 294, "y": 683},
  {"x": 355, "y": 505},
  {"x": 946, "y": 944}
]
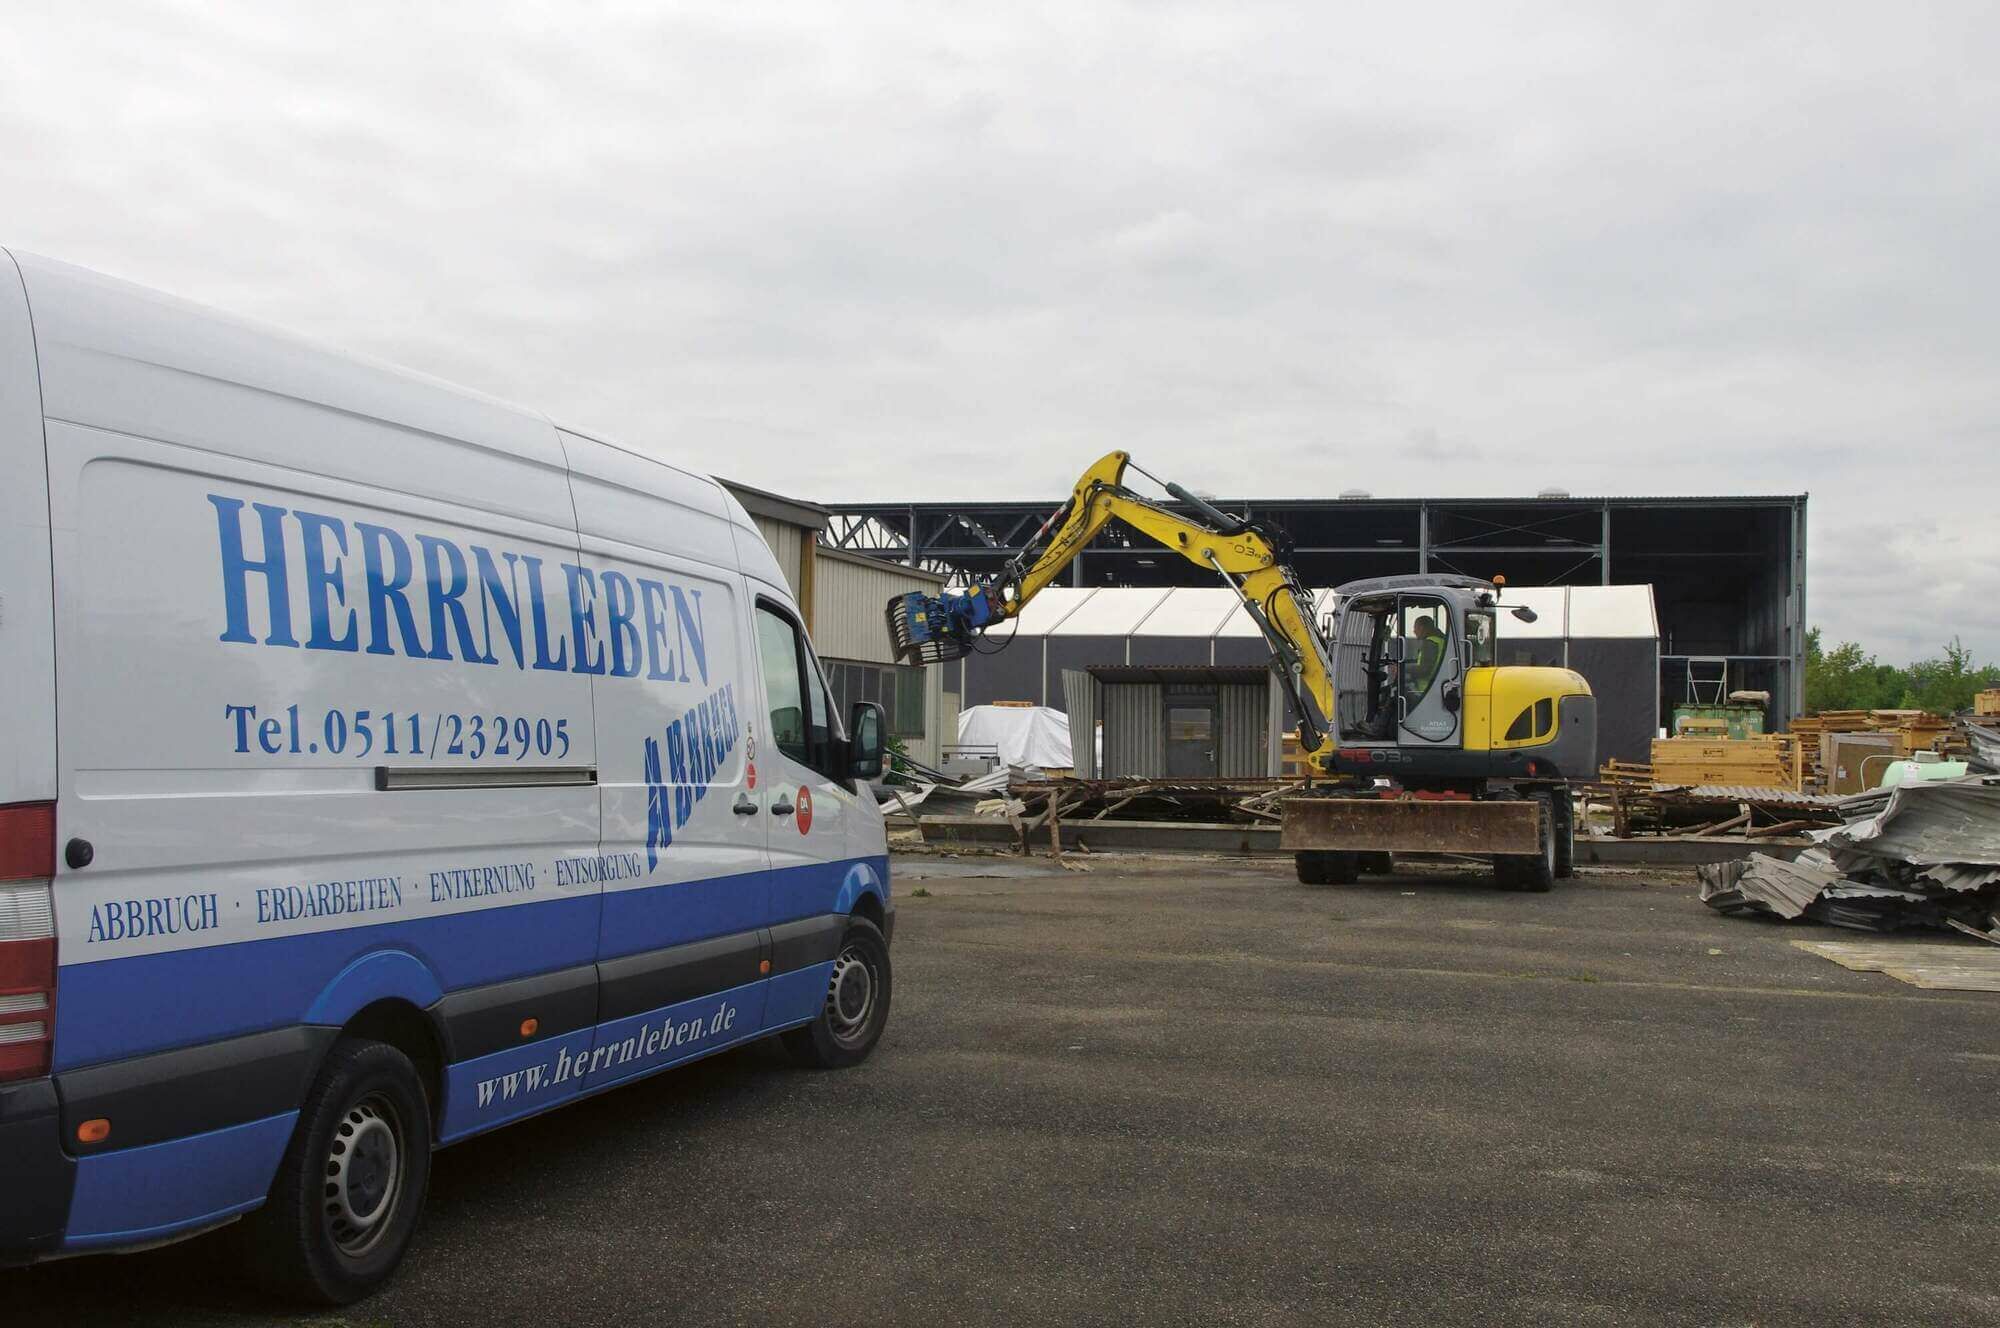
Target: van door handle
[
  {"x": 745, "y": 805},
  {"x": 781, "y": 808}
]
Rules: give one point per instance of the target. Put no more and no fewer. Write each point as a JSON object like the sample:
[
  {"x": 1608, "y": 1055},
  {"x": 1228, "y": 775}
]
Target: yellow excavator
[{"x": 1416, "y": 739}]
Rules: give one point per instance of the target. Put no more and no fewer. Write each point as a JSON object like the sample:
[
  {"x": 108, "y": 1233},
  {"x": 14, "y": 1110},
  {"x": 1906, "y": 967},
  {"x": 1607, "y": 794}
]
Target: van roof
[{"x": 91, "y": 329}]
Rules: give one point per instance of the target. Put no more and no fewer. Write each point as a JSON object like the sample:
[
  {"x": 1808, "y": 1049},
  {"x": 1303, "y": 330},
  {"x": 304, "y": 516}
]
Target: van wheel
[
  {"x": 850, "y": 1023},
  {"x": 352, "y": 1181}
]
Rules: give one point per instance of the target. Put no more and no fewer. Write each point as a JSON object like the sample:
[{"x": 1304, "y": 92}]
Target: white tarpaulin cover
[{"x": 1025, "y": 735}]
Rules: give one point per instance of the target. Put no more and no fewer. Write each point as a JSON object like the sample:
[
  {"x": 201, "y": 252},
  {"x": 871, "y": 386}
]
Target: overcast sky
[{"x": 854, "y": 250}]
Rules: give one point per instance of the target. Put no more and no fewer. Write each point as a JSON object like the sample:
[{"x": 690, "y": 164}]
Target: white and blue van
[{"x": 379, "y": 764}]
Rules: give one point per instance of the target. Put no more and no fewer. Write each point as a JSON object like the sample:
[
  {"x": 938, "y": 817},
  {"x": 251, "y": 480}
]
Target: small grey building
[{"x": 1173, "y": 721}]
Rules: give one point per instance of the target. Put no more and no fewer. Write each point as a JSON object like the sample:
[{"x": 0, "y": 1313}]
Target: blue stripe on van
[
  {"x": 116, "y": 1008},
  {"x": 125, "y": 1007}
]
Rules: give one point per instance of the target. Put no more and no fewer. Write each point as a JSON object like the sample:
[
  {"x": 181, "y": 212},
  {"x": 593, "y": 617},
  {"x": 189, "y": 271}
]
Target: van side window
[
  {"x": 803, "y": 724},
  {"x": 778, "y": 650}
]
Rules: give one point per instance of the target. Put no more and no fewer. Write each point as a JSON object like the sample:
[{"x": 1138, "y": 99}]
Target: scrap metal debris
[{"x": 1917, "y": 855}]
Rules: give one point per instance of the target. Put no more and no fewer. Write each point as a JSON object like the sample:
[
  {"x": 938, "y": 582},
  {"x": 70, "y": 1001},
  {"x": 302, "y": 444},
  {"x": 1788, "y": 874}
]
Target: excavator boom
[{"x": 930, "y": 629}]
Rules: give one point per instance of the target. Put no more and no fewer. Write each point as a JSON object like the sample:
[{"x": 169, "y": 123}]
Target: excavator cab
[
  {"x": 1403, "y": 647},
  {"x": 1419, "y": 694}
]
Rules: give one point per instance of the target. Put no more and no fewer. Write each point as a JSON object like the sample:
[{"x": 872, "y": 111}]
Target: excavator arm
[{"x": 930, "y": 629}]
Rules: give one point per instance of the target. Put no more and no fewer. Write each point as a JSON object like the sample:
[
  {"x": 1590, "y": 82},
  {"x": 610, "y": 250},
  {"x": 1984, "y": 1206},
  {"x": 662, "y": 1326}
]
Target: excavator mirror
[{"x": 1524, "y": 613}]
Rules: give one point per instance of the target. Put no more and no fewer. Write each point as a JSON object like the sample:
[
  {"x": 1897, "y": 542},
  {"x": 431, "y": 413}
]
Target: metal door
[{"x": 1191, "y": 737}]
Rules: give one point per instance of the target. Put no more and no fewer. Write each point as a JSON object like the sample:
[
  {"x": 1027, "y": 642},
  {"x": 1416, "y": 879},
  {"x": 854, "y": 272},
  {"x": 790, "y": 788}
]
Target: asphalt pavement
[{"x": 1197, "y": 1092}]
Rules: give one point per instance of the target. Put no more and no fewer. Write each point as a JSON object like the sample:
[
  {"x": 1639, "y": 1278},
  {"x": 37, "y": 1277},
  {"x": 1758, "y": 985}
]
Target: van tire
[
  {"x": 856, "y": 1009},
  {"x": 367, "y": 1093}
]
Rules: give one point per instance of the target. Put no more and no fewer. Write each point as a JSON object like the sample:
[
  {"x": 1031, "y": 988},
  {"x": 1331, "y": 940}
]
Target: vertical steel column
[
  {"x": 1797, "y": 645},
  {"x": 911, "y": 559},
  {"x": 1604, "y": 547},
  {"x": 1423, "y": 538}
]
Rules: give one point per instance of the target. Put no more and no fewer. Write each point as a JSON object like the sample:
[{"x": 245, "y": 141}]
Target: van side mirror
[
  {"x": 865, "y": 749},
  {"x": 1524, "y": 613}
]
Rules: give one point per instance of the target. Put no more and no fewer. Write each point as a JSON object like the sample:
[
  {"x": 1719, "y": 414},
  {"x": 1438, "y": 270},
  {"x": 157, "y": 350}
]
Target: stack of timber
[
  {"x": 1909, "y": 732},
  {"x": 1768, "y": 761},
  {"x": 1626, "y": 774},
  {"x": 1811, "y": 729},
  {"x": 1915, "y": 730}
]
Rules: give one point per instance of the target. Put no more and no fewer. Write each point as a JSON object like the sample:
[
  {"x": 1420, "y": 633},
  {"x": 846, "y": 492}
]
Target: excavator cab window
[
  {"x": 1392, "y": 653},
  {"x": 1479, "y": 639},
  {"x": 1362, "y": 661},
  {"x": 1424, "y": 625}
]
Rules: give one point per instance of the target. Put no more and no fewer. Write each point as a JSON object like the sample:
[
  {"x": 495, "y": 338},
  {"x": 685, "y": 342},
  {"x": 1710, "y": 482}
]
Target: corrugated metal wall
[
  {"x": 1080, "y": 703},
  {"x": 1135, "y": 730},
  {"x": 1244, "y": 715},
  {"x": 787, "y": 543},
  {"x": 848, "y": 597}
]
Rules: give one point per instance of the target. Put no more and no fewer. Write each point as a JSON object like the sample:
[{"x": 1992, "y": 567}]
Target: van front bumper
[{"x": 40, "y": 1175}]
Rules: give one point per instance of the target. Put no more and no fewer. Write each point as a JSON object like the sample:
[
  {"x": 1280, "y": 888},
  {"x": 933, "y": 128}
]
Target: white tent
[{"x": 1023, "y": 735}]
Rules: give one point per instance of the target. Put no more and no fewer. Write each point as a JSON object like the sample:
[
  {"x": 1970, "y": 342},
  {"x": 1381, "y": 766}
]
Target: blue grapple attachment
[{"x": 936, "y": 629}]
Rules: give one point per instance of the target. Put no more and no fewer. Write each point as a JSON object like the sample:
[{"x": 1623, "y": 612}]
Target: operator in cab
[{"x": 1426, "y": 656}]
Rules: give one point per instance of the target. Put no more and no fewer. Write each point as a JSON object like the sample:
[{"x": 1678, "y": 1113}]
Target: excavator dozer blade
[{"x": 1408, "y": 825}]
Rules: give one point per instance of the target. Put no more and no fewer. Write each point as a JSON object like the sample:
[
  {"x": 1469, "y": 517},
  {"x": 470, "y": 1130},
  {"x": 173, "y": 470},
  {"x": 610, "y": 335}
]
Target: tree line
[{"x": 1847, "y": 677}]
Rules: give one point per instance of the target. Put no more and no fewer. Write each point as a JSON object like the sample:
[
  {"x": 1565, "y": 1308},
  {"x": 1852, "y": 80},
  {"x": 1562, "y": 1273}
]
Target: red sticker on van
[
  {"x": 750, "y": 774},
  {"x": 805, "y": 812}
]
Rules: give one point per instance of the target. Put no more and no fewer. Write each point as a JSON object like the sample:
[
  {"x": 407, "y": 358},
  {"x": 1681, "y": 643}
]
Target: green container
[{"x": 1743, "y": 721}]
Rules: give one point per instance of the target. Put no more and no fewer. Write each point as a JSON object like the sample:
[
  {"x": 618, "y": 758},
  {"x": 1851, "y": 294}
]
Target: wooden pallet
[{"x": 1767, "y": 761}]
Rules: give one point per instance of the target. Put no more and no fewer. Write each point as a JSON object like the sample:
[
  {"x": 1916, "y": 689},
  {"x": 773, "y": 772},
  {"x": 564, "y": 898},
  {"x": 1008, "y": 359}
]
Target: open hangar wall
[
  {"x": 1609, "y": 634},
  {"x": 1728, "y": 573}
]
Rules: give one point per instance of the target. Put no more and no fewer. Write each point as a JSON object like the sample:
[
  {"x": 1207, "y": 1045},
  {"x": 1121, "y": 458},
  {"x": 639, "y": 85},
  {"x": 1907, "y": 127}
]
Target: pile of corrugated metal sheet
[
  {"x": 1917, "y": 855},
  {"x": 1983, "y": 742}
]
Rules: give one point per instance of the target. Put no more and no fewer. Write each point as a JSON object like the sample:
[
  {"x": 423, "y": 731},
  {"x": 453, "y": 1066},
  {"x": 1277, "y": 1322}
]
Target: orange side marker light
[
  {"x": 529, "y": 1027},
  {"x": 94, "y": 1131}
]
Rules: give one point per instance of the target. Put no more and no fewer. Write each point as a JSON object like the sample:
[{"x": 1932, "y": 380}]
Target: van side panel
[
  {"x": 686, "y": 896},
  {"x": 291, "y": 591},
  {"x": 27, "y": 626}
]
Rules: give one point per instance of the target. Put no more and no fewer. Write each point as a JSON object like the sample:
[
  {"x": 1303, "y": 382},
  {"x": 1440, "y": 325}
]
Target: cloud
[{"x": 883, "y": 251}]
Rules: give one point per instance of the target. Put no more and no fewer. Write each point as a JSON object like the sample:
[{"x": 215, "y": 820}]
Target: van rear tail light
[
  {"x": 27, "y": 939},
  {"x": 28, "y": 841}
]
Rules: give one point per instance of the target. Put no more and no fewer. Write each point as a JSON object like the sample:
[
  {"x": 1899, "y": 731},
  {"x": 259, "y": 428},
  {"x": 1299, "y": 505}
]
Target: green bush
[{"x": 1849, "y": 678}]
